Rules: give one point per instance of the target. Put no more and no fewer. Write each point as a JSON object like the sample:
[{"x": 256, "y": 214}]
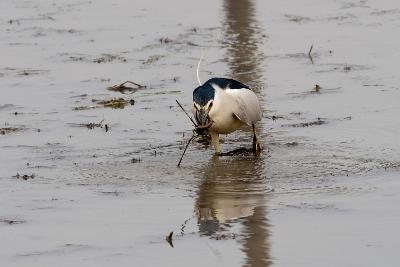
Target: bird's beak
[{"x": 202, "y": 117}]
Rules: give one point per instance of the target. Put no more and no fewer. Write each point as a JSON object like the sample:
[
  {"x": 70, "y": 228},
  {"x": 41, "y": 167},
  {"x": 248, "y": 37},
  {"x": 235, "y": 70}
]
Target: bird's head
[{"x": 203, "y": 98}]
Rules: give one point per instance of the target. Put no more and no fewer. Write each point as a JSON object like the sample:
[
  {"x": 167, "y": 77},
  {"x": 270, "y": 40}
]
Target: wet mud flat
[{"x": 88, "y": 164}]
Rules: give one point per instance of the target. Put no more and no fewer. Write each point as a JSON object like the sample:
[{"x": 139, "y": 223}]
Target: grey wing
[{"x": 248, "y": 108}]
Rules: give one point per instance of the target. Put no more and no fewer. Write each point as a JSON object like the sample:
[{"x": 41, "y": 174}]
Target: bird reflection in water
[
  {"x": 244, "y": 37},
  {"x": 233, "y": 192}
]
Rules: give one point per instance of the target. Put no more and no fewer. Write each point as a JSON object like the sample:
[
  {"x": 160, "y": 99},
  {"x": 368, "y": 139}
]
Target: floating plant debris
[
  {"x": 123, "y": 87},
  {"x": 24, "y": 176}
]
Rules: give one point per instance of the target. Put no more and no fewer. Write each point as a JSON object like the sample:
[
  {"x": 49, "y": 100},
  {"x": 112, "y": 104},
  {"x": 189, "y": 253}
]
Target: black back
[
  {"x": 227, "y": 83},
  {"x": 205, "y": 92}
]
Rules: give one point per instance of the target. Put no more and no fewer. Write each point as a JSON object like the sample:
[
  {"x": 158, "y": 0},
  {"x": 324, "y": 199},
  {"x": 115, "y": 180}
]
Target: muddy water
[{"x": 322, "y": 192}]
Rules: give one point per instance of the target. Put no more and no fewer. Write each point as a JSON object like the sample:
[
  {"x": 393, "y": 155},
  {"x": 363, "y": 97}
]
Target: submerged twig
[
  {"x": 90, "y": 125},
  {"x": 93, "y": 124},
  {"x": 309, "y": 54}
]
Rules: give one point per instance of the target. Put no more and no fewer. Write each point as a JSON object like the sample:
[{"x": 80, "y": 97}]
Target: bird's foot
[{"x": 257, "y": 147}]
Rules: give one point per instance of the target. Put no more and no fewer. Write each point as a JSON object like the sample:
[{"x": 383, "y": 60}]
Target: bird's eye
[{"x": 209, "y": 106}]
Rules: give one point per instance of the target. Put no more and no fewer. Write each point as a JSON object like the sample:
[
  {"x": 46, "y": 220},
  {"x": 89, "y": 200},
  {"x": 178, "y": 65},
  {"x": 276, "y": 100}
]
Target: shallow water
[{"x": 324, "y": 185}]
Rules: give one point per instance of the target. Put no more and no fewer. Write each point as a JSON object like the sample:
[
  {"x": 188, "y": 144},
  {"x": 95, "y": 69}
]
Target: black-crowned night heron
[{"x": 227, "y": 105}]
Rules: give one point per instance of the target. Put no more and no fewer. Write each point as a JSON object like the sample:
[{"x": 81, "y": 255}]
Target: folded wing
[{"x": 248, "y": 108}]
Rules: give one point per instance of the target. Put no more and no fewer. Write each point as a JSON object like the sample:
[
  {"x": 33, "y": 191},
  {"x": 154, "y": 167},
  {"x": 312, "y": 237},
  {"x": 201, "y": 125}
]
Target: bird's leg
[
  {"x": 215, "y": 141},
  {"x": 256, "y": 145}
]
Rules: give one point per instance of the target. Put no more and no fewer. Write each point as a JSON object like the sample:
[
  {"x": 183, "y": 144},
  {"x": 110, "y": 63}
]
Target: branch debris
[
  {"x": 122, "y": 88},
  {"x": 198, "y": 130}
]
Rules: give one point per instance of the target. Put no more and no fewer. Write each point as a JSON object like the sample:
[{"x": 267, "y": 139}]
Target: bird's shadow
[{"x": 242, "y": 151}]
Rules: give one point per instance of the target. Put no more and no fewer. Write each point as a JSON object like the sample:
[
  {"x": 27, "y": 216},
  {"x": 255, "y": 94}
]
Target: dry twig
[
  {"x": 198, "y": 129},
  {"x": 184, "y": 151}
]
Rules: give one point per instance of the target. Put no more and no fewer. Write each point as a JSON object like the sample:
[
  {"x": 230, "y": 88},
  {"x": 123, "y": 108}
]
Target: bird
[{"x": 224, "y": 105}]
